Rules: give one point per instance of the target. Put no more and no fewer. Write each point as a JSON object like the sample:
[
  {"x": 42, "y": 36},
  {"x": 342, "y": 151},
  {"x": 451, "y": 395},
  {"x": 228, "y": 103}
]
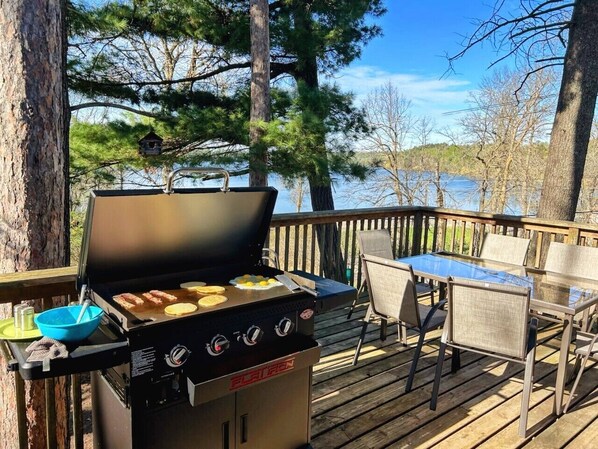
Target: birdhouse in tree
[{"x": 150, "y": 144}]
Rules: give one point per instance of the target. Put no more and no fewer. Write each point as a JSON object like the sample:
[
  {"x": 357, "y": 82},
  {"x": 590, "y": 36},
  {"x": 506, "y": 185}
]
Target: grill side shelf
[{"x": 103, "y": 349}]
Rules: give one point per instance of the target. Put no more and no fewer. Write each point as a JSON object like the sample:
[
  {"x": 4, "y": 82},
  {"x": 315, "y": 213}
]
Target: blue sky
[{"x": 411, "y": 54}]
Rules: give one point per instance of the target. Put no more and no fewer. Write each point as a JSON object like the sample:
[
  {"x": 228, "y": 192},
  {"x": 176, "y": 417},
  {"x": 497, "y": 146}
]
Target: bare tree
[
  {"x": 298, "y": 190},
  {"x": 394, "y": 130},
  {"x": 423, "y": 129},
  {"x": 33, "y": 178},
  {"x": 503, "y": 126},
  {"x": 548, "y": 33}
]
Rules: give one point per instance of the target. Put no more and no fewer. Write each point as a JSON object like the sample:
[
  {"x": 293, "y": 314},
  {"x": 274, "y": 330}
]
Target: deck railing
[{"x": 414, "y": 230}]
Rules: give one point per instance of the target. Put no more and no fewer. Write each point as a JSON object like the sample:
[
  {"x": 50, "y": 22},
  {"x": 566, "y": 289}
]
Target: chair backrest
[
  {"x": 505, "y": 248},
  {"x": 488, "y": 317},
  {"x": 572, "y": 260},
  {"x": 392, "y": 289},
  {"x": 376, "y": 243}
]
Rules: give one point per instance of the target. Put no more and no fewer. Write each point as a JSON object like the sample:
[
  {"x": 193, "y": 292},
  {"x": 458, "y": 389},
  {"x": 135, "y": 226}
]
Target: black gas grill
[{"x": 236, "y": 375}]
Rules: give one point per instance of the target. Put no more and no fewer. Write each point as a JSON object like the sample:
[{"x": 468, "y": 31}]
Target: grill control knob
[
  {"x": 177, "y": 356},
  {"x": 284, "y": 327},
  {"x": 218, "y": 345},
  {"x": 253, "y": 335}
]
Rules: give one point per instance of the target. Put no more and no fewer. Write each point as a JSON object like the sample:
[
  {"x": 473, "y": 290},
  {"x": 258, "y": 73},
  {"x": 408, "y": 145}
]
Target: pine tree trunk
[
  {"x": 575, "y": 112},
  {"x": 320, "y": 187},
  {"x": 33, "y": 177},
  {"x": 260, "y": 90}
]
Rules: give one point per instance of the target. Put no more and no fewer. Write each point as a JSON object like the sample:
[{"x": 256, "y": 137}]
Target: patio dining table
[{"x": 555, "y": 297}]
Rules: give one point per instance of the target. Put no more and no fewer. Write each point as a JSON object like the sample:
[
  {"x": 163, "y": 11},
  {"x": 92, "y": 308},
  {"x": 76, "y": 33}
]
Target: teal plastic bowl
[{"x": 60, "y": 323}]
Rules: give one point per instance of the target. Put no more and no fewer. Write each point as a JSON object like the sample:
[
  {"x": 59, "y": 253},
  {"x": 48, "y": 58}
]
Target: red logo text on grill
[
  {"x": 306, "y": 314},
  {"x": 257, "y": 375}
]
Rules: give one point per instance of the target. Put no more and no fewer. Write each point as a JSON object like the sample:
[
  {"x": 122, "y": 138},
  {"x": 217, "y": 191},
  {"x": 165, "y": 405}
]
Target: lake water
[{"x": 459, "y": 192}]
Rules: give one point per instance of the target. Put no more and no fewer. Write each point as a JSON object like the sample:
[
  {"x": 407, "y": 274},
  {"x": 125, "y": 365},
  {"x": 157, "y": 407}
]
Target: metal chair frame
[{"x": 405, "y": 309}]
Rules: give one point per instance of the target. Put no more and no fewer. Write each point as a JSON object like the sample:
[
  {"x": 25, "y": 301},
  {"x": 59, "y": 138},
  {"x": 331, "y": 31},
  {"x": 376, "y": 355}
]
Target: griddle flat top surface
[{"x": 236, "y": 298}]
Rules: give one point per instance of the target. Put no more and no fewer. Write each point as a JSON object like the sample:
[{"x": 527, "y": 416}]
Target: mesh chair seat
[
  {"x": 490, "y": 319},
  {"x": 585, "y": 343}
]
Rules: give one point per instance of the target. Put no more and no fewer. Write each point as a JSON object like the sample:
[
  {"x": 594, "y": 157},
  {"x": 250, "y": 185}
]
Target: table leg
[
  {"x": 383, "y": 326},
  {"x": 441, "y": 291},
  {"x": 561, "y": 374}
]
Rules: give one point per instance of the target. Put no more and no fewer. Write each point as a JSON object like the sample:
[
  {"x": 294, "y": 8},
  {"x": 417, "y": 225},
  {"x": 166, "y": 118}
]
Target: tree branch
[
  {"x": 203, "y": 76},
  {"x": 100, "y": 104}
]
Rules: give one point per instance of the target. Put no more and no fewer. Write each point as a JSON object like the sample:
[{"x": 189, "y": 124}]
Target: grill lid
[{"x": 143, "y": 233}]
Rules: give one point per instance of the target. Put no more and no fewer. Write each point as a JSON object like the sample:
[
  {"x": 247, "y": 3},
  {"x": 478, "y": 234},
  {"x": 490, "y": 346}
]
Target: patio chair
[
  {"x": 505, "y": 248},
  {"x": 586, "y": 346},
  {"x": 578, "y": 261},
  {"x": 572, "y": 260},
  {"x": 393, "y": 296},
  {"x": 491, "y": 319},
  {"x": 376, "y": 242}
]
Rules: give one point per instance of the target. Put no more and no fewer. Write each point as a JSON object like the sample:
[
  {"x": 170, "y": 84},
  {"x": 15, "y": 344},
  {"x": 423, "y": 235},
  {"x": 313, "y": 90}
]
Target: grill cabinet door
[
  {"x": 275, "y": 414},
  {"x": 209, "y": 426}
]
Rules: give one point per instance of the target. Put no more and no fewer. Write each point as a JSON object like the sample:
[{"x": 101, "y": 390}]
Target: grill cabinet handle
[
  {"x": 190, "y": 170},
  {"x": 244, "y": 419},
  {"x": 225, "y": 435}
]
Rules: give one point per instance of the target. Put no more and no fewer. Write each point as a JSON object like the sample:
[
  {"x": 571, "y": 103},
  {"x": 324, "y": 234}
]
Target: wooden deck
[{"x": 365, "y": 406}]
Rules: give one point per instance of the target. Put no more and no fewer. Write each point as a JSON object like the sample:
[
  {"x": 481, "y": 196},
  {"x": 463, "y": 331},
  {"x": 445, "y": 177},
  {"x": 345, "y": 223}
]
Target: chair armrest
[
  {"x": 432, "y": 311},
  {"x": 533, "y": 334}
]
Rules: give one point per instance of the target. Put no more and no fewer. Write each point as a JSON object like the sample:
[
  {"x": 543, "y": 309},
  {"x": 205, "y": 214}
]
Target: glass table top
[{"x": 553, "y": 288}]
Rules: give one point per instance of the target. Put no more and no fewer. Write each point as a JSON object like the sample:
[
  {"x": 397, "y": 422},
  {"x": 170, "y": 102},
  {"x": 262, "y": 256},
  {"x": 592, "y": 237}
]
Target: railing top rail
[
  {"x": 371, "y": 213},
  {"x": 60, "y": 281},
  {"x": 37, "y": 284}
]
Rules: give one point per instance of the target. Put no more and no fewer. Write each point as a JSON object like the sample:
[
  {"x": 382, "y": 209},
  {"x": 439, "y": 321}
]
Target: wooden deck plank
[
  {"x": 582, "y": 413},
  {"x": 365, "y": 406},
  {"x": 588, "y": 436},
  {"x": 396, "y": 419},
  {"x": 469, "y": 423}
]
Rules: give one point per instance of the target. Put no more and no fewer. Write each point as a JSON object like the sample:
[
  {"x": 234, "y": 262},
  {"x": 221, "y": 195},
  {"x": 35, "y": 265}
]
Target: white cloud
[{"x": 431, "y": 97}]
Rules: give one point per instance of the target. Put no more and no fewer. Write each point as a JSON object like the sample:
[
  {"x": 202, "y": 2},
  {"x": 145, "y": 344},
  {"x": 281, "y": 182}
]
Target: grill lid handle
[{"x": 182, "y": 171}]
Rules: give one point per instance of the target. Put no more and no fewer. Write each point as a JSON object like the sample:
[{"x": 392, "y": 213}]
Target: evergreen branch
[
  {"x": 219, "y": 70},
  {"x": 99, "y": 104}
]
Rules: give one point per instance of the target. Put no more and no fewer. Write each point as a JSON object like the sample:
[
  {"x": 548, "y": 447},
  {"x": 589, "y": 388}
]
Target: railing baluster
[
  {"x": 296, "y": 252},
  {"x": 77, "y": 402},
  {"x": 50, "y": 397},
  {"x": 21, "y": 410},
  {"x": 407, "y": 235},
  {"x": 462, "y": 239},
  {"x": 313, "y": 250},
  {"x": 277, "y": 242},
  {"x": 287, "y": 245},
  {"x": 305, "y": 239},
  {"x": 355, "y": 262}
]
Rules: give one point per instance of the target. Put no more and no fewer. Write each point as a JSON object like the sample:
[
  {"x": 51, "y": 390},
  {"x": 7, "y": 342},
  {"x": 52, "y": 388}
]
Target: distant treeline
[{"x": 453, "y": 159}]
